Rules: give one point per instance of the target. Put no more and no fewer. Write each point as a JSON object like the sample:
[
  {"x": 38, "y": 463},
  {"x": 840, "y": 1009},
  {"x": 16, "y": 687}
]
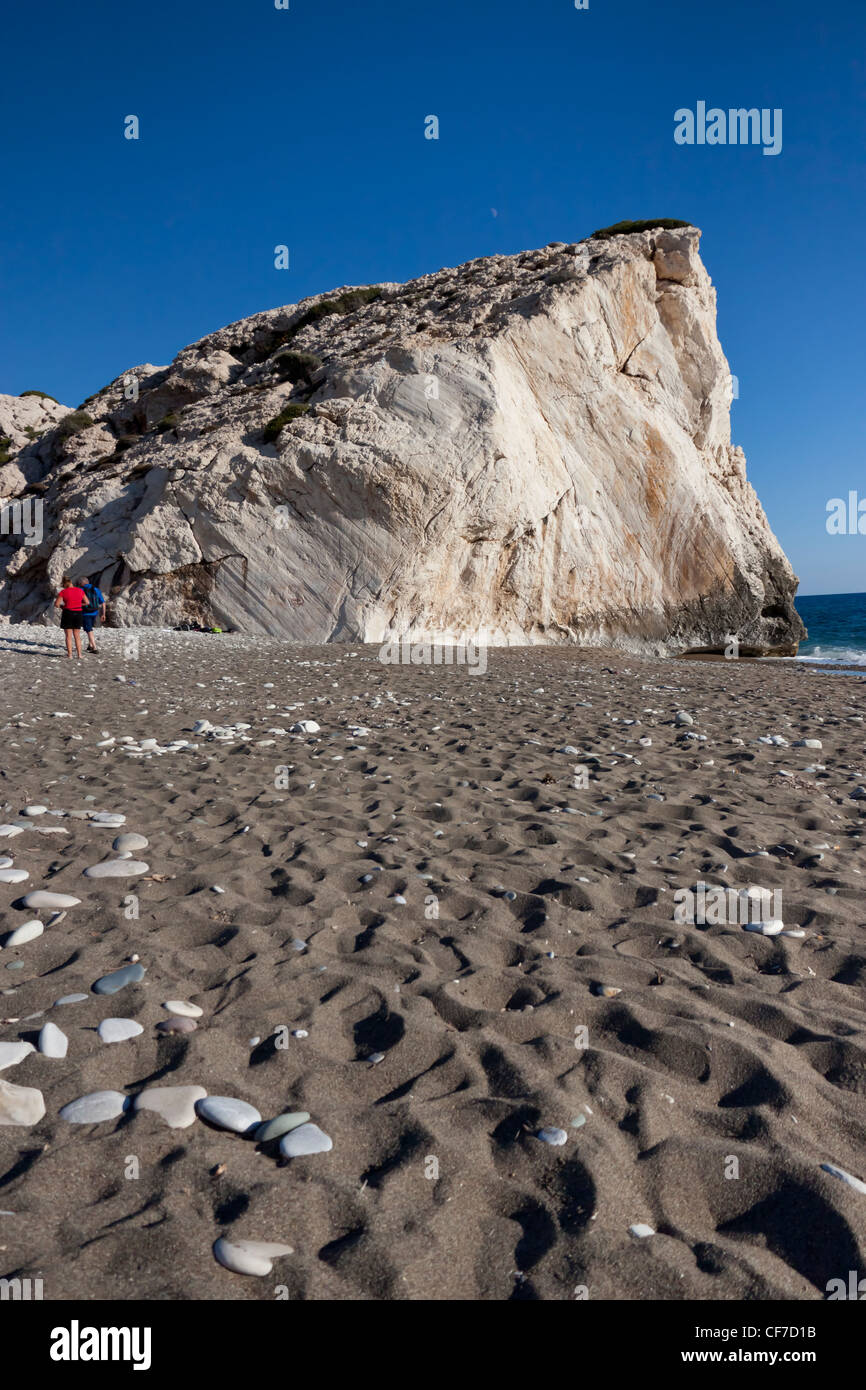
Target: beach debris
[
  {"x": 115, "y": 1030},
  {"x": 249, "y": 1256},
  {"x": 174, "y": 1104},
  {"x": 228, "y": 1113},
  {"x": 20, "y": 1105},
  {"x": 306, "y": 1139},
  {"x": 95, "y": 1108},
  {"x": 641, "y": 1230},
  {"x": 606, "y": 991}
]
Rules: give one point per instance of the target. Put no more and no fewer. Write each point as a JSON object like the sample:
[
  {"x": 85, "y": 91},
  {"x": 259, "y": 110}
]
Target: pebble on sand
[
  {"x": 70, "y": 999},
  {"x": 13, "y": 875},
  {"x": 52, "y": 1042},
  {"x": 857, "y": 1184},
  {"x": 177, "y": 1025},
  {"x": 129, "y": 841},
  {"x": 174, "y": 1104},
  {"x": 114, "y": 1030},
  {"x": 20, "y": 1105},
  {"x": 641, "y": 1230},
  {"x": 249, "y": 1256},
  {"x": 41, "y": 898},
  {"x": 92, "y": 1109},
  {"x": 305, "y": 726},
  {"x": 118, "y": 979},
  {"x": 183, "y": 1008},
  {"x": 551, "y": 1135},
  {"x": 280, "y": 1125},
  {"x": 11, "y": 1053},
  {"x": 306, "y": 1139},
  {"x": 228, "y": 1113},
  {"x": 117, "y": 868},
  {"x": 28, "y": 931}
]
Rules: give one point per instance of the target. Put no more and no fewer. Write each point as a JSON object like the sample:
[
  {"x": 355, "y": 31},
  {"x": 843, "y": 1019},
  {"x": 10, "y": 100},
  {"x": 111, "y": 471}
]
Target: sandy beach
[{"x": 446, "y": 924}]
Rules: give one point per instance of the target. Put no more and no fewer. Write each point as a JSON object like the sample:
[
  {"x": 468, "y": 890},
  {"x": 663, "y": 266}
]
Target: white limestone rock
[{"x": 531, "y": 448}]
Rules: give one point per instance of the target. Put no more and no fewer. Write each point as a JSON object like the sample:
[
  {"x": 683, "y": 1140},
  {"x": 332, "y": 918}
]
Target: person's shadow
[{"x": 15, "y": 644}]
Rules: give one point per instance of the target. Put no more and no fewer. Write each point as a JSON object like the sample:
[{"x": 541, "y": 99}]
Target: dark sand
[{"x": 722, "y": 1043}]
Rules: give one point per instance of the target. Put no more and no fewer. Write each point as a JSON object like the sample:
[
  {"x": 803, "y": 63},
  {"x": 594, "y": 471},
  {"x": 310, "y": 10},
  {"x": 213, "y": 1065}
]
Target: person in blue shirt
[{"x": 93, "y": 611}]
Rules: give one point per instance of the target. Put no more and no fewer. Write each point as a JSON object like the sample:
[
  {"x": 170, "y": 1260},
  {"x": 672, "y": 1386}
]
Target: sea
[{"x": 837, "y": 629}]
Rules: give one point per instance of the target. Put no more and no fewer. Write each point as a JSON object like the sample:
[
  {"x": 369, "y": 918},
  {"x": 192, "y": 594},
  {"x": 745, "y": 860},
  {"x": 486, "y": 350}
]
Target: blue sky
[{"x": 306, "y": 127}]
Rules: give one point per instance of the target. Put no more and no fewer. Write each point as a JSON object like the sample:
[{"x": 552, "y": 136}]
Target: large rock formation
[{"x": 536, "y": 445}]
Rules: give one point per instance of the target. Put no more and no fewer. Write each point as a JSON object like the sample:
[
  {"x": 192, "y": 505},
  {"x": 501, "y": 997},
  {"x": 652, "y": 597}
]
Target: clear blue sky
[{"x": 306, "y": 127}]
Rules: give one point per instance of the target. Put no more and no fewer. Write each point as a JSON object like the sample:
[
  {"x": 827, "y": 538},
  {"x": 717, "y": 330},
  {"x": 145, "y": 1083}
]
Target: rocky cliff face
[{"x": 536, "y": 445}]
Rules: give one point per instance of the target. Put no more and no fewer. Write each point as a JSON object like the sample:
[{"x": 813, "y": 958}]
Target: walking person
[
  {"x": 93, "y": 611},
  {"x": 71, "y": 600}
]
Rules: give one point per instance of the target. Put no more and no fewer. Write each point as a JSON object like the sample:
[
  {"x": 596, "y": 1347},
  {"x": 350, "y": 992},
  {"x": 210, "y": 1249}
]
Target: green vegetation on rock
[
  {"x": 285, "y": 417},
  {"x": 344, "y": 304},
  {"x": 297, "y": 366},
  {"x": 44, "y": 395},
  {"x": 73, "y": 424},
  {"x": 623, "y": 228}
]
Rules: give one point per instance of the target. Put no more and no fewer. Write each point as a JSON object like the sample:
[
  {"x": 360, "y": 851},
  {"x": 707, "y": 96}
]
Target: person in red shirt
[{"x": 72, "y": 601}]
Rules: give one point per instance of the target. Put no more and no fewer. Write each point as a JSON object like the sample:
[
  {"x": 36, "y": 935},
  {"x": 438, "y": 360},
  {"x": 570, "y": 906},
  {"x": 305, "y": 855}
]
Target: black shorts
[{"x": 68, "y": 619}]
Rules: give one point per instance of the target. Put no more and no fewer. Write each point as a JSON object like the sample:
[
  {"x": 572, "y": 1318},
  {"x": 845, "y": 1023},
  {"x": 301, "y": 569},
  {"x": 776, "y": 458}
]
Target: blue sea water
[{"x": 837, "y": 628}]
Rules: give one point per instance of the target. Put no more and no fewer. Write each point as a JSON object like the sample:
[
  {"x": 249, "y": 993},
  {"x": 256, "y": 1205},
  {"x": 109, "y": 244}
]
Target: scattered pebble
[
  {"x": 228, "y": 1113},
  {"x": 115, "y": 1030},
  {"x": 11, "y": 1053},
  {"x": 117, "y": 868},
  {"x": 182, "y": 1008},
  {"x": 280, "y": 1125},
  {"x": 248, "y": 1256},
  {"x": 41, "y": 898},
  {"x": 550, "y": 1135},
  {"x": 52, "y": 1042},
  {"x": 94, "y": 1108},
  {"x": 118, "y": 979},
  {"x": 306, "y": 1139},
  {"x": 835, "y": 1172},
  {"x": 28, "y": 931},
  {"x": 174, "y": 1104},
  {"x": 20, "y": 1105}
]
